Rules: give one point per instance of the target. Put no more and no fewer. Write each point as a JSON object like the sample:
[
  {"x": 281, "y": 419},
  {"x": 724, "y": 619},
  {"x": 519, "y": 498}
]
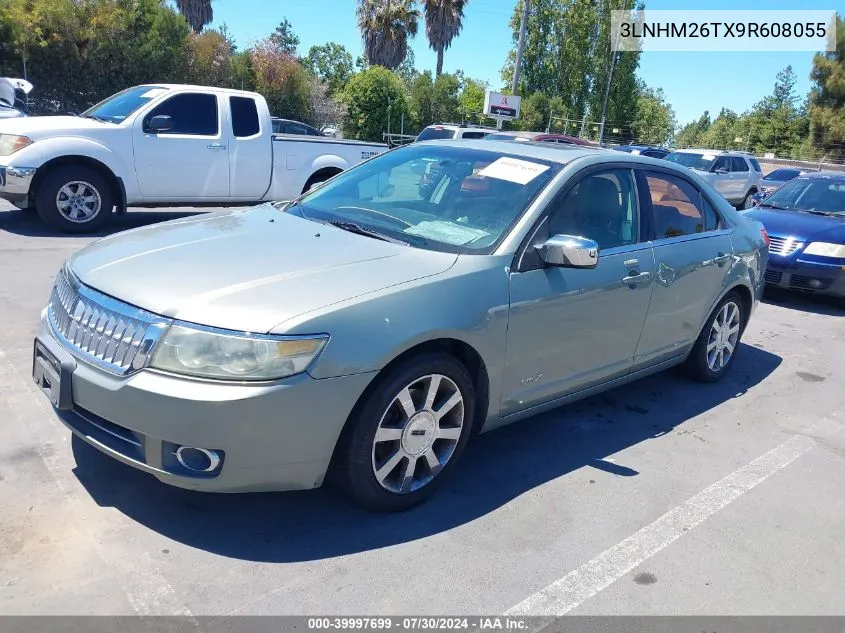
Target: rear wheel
[
  {"x": 74, "y": 199},
  {"x": 717, "y": 344},
  {"x": 408, "y": 434},
  {"x": 747, "y": 200},
  {"x": 318, "y": 178}
]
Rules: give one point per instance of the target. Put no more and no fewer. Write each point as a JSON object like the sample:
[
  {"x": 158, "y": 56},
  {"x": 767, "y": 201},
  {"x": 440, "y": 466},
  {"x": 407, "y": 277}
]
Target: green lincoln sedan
[{"x": 363, "y": 333}]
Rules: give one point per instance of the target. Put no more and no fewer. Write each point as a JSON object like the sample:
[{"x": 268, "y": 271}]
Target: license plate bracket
[{"x": 52, "y": 371}]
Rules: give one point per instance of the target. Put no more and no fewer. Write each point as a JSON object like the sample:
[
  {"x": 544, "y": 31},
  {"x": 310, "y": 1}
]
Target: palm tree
[
  {"x": 386, "y": 26},
  {"x": 198, "y": 13},
  {"x": 443, "y": 22}
]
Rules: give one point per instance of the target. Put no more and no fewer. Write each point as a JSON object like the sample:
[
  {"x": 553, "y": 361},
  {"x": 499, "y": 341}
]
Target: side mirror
[
  {"x": 160, "y": 123},
  {"x": 720, "y": 170},
  {"x": 569, "y": 251}
]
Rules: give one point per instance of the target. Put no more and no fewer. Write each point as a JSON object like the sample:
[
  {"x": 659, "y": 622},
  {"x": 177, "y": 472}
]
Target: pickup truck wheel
[{"x": 74, "y": 199}]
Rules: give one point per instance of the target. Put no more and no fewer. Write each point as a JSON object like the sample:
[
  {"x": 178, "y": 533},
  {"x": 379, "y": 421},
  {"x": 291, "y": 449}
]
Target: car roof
[{"x": 551, "y": 152}]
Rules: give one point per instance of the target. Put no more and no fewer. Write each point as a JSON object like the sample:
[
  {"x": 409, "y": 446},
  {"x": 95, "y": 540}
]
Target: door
[
  {"x": 693, "y": 255},
  {"x": 722, "y": 180},
  {"x": 189, "y": 161},
  {"x": 250, "y": 151},
  {"x": 740, "y": 176},
  {"x": 570, "y": 329}
]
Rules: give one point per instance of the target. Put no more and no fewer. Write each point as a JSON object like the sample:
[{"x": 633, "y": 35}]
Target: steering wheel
[{"x": 404, "y": 223}]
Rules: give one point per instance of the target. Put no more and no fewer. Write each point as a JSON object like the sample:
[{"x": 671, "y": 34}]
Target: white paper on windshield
[
  {"x": 513, "y": 170},
  {"x": 709, "y": 156},
  {"x": 446, "y": 232},
  {"x": 153, "y": 92}
]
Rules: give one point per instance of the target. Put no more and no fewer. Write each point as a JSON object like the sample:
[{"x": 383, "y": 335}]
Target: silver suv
[
  {"x": 735, "y": 175},
  {"x": 453, "y": 131}
]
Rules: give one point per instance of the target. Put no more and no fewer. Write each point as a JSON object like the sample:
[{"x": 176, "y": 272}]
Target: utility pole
[
  {"x": 614, "y": 54},
  {"x": 520, "y": 48}
]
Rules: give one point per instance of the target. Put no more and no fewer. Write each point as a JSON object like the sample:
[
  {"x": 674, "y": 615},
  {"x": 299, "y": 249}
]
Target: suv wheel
[{"x": 746, "y": 201}]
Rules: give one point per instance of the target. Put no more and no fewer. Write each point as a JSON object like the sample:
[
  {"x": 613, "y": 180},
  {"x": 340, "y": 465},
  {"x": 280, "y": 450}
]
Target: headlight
[
  {"x": 825, "y": 249},
  {"x": 206, "y": 354},
  {"x": 10, "y": 143}
]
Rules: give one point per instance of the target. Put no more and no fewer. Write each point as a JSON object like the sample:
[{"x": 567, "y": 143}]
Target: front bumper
[
  {"x": 813, "y": 278},
  {"x": 272, "y": 436},
  {"x": 15, "y": 183}
]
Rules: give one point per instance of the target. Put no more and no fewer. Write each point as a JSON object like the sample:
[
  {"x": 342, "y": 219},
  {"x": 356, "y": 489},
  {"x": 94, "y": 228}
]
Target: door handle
[
  {"x": 216, "y": 146},
  {"x": 636, "y": 278},
  {"x": 720, "y": 259}
]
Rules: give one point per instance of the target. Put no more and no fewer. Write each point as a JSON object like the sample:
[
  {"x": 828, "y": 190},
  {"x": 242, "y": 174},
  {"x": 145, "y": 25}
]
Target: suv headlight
[
  {"x": 234, "y": 356},
  {"x": 11, "y": 143},
  {"x": 826, "y": 249}
]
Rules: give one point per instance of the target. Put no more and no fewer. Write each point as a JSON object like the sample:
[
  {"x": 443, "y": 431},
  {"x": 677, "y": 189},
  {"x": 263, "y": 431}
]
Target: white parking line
[{"x": 581, "y": 584}]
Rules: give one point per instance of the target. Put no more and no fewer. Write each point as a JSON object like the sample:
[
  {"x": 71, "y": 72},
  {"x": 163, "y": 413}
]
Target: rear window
[
  {"x": 474, "y": 134},
  {"x": 692, "y": 160},
  {"x": 244, "y": 117},
  {"x": 782, "y": 174},
  {"x": 434, "y": 133}
]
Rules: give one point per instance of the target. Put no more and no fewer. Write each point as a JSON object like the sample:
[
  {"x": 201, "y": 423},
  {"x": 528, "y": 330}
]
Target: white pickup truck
[{"x": 161, "y": 145}]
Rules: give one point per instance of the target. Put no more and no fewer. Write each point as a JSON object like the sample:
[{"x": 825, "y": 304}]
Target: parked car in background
[
  {"x": 333, "y": 131},
  {"x": 735, "y": 175},
  {"x": 161, "y": 145},
  {"x": 539, "y": 137},
  {"x": 774, "y": 179},
  {"x": 442, "y": 131},
  {"x": 805, "y": 219},
  {"x": 643, "y": 150},
  {"x": 13, "y": 93},
  {"x": 288, "y": 126},
  {"x": 364, "y": 334}
]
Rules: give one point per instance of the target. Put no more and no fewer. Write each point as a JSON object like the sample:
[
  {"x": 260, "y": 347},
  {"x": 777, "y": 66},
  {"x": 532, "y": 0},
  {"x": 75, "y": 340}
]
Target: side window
[
  {"x": 602, "y": 207},
  {"x": 244, "y": 117},
  {"x": 293, "y": 128},
  {"x": 722, "y": 163},
  {"x": 194, "y": 114},
  {"x": 711, "y": 218},
  {"x": 678, "y": 207},
  {"x": 738, "y": 164},
  {"x": 277, "y": 127}
]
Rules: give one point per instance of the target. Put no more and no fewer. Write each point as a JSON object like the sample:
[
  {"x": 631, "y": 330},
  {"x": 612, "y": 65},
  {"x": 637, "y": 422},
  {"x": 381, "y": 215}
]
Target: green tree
[
  {"x": 827, "y": 98},
  {"x": 776, "y": 124},
  {"x": 422, "y": 99},
  {"x": 282, "y": 80},
  {"x": 284, "y": 39},
  {"x": 446, "y": 88},
  {"x": 691, "y": 134},
  {"x": 407, "y": 70},
  {"x": 371, "y": 97},
  {"x": 386, "y": 26},
  {"x": 654, "y": 119},
  {"x": 443, "y": 23},
  {"x": 332, "y": 64},
  {"x": 534, "y": 113},
  {"x": 198, "y": 13},
  {"x": 435, "y": 100},
  {"x": 471, "y": 100},
  {"x": 724, "y": 129}
]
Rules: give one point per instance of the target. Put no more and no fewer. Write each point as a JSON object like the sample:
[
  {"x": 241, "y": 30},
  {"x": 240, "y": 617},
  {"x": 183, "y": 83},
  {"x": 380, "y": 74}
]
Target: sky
[{"x": 693, "y": 82}]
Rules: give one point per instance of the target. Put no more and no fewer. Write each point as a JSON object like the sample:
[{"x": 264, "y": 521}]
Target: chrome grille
[
  {"x": 783, "y": 246},
  {"x": 113, "y": 335}
]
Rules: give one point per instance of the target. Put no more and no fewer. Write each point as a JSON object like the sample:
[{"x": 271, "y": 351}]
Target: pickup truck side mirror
[{"x": 160, "y": 123}]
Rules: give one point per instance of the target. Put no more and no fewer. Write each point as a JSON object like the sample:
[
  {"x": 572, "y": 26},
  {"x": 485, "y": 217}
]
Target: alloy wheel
[
  {"x": 724, "y": 334},
  {"x": 418, "y": 433},
  {"x": 78, "y": 201}
]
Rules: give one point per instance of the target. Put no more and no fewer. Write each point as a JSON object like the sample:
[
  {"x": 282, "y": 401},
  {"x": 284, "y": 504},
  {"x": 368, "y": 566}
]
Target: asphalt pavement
[{"x": 661, "y": 497}]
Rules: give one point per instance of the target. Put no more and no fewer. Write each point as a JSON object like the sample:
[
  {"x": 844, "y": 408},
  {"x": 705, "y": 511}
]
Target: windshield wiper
[
  {"x": 764, "y": 205},
  {"x": 93, "y": 116},
  {"x": 360, "y": 230},
  {"x": 827, "y": 213}
]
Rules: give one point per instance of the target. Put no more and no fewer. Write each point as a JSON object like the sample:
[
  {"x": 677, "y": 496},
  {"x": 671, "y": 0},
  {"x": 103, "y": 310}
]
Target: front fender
[{"x": 46, "y": 150}]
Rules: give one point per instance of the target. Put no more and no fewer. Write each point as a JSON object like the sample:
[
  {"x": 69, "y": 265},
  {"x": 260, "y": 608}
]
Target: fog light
[
  {"x": 815, "y": 283},
  {"x": 198, "y": 460}
]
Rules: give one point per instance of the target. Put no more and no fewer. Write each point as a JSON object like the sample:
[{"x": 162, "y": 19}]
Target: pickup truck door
[
  {"x": 250, "y": 150},
  {"x": 190, "y": 160}
]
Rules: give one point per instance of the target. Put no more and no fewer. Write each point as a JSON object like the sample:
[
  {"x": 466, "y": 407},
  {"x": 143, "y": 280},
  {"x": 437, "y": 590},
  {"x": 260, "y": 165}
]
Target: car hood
[
  {"x": 247, "y": 270},
  {"x": 44, "y": 126},
  {"x": 803, "y": 226}
]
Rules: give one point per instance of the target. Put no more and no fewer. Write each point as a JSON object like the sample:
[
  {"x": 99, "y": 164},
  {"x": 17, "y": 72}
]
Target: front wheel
[
  {"x": 747, "y": 200},
  {"x": 718, "y": 342},
  {"x": 408, "y": 434},
  {"x": 74, "y": 199}
]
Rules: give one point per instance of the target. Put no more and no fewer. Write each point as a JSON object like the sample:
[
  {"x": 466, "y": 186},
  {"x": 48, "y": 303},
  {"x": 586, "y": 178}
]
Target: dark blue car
[{"x": 805, "y": 220}]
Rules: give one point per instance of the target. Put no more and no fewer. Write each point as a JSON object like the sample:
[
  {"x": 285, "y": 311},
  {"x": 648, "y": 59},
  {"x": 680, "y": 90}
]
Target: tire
[
  {"x": 746, "y": 201},
  {"x": 375, "y": 472},
  {"x": 316, "y": 179},
  {"x": 85, "y": 214},
  {"x": 700, "y": 365}
]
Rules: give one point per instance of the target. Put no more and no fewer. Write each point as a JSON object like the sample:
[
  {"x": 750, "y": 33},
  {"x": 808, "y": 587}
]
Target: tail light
[{"x": 765, "y": 235}]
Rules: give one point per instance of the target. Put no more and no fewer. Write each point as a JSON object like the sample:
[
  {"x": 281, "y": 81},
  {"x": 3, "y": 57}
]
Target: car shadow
[
  {"x": 497, "y": 467},
  {"x": 29, "y": 224},
  {"x": 804, "y": 302}
]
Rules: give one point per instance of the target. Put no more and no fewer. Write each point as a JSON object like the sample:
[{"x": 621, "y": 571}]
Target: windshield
[
  {"x": 782, "y": 175},
  {"x": 434, "y": 133},
  {"x": 449, "y": 199},
  {"x": 119, "y": 106},
  {"x": 692, "y": 160},
  {"x": 810, "y": 194}
]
